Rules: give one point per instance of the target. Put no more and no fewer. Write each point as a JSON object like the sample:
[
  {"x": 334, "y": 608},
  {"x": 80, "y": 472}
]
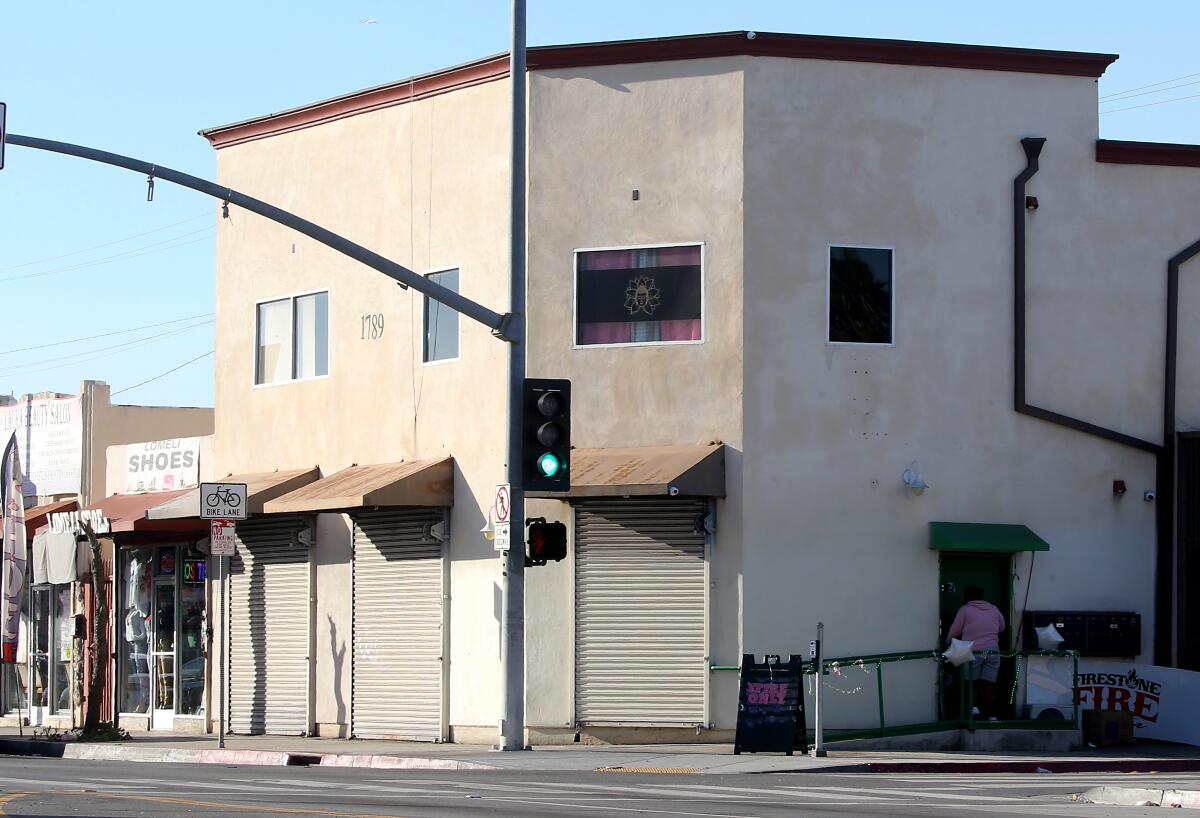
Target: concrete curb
[
  {"x": 249, "y": 758},
  {"x": 1136, "y": 797},
  {"x": 1090, "y": 765},
  {"x": 400, "y": 762}
]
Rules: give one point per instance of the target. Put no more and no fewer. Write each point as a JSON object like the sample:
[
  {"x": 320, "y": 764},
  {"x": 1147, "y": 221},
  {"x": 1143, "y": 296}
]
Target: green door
[
  {"x": 957, "y": 572},
  {"x": 991, "y": 572}
]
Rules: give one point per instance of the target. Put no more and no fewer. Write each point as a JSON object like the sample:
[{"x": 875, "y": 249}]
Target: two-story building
[{"x": 818, "y": 302}]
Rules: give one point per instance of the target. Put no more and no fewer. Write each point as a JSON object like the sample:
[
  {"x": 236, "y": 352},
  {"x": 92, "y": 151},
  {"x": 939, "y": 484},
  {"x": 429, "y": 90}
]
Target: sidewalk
[{"x": 675, "y": 758}]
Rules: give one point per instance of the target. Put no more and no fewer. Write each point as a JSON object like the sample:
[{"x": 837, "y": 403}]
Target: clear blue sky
[{"x": 140, "y": 78}]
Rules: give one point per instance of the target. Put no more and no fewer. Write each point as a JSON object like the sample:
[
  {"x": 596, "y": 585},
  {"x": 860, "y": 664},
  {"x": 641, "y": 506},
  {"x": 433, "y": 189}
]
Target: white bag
[
  {"x": 1048, "y": 638},
  {"x": 959, "y": 652}
]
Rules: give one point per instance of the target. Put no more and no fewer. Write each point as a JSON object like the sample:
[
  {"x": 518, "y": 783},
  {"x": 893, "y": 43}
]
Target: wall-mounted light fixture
[
  {"x": 1031, "y": 203},
  {"x": 1119, "y": 487},
  {"x": 913, "y": 479}
]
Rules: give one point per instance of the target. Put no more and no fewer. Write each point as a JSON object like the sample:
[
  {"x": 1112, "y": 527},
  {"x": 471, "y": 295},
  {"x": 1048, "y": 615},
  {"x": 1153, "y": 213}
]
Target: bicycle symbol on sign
[{"x": 223, "y": 495}]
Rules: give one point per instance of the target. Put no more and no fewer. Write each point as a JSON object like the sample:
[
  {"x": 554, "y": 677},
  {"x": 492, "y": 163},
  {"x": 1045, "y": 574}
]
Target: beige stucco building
[{"x": 790, "y": 260}]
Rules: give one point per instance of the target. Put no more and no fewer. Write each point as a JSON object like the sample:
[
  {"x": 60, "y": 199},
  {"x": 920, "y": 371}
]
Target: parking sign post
[{"x": 223, "y": 504}]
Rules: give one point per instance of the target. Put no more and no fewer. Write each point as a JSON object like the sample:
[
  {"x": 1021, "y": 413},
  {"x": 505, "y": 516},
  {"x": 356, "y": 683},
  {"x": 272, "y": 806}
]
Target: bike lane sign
[{"x": 223, "y": 501}]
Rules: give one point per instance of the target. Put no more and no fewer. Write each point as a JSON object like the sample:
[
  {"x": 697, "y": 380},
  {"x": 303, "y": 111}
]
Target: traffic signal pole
[{"x": 512, "y": 606}]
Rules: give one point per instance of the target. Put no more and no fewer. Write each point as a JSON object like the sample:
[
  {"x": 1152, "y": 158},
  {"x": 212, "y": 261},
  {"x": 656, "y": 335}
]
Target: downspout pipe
[
  {"x": 1163, "y": 452},
  {"x": 1033, "y": 149},
  {"x": 1169, "y": 586}
]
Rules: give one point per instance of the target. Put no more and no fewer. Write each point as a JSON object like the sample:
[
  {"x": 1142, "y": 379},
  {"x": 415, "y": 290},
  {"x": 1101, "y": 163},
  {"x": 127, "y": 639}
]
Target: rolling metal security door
[
  {"x": 397, "y": 667},
  {"x": 269, "y": 628},
  {"x": 640, "y": 640}
]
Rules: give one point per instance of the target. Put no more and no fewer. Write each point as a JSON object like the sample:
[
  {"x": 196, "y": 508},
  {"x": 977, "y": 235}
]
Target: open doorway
[{"x": 993, "y": 574}]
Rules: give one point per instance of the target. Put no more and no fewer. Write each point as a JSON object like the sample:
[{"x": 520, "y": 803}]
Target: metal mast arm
[{"x": 407, "y": 278}]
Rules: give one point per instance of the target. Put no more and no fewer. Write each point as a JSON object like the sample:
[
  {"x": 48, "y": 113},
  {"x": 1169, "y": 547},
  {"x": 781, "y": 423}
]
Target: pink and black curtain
[{"x": 638, "y": 296}]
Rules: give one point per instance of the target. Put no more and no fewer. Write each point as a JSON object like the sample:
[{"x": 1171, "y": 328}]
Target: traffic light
[
  {"x": 547, "y": 541},
  {"x": 546, "y": 439}
]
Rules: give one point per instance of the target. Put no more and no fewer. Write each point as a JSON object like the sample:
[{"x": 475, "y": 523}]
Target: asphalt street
[{"x": 49, "y": 787}]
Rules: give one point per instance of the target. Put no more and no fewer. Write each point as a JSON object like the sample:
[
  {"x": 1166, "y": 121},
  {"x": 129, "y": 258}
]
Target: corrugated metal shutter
[
  {"x": 269, "y": 627},
  {"x": 640, "y": 642},
  {"x": 397, "y": 665}
]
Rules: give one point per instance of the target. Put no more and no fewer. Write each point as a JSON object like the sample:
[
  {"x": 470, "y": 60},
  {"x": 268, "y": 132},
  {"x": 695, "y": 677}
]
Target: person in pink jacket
[{"x": 980, "y": 623}]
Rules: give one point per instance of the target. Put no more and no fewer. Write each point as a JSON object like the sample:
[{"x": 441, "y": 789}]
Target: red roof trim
[
  {"x": 384, "y": 96},
  {"x": 1147, "y": 153},
  {"x": 814, "y": 47},
  {"x": 736, "y": 43}
]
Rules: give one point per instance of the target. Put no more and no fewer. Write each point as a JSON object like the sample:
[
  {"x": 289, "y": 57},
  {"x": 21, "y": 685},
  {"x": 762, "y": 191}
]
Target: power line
[
  {"x": 113, "y": 259},
  {"x": 1151, "y": 85},
  {"x": 1126, "y": 96},
  {"x": 104, "y": 334},
  {"x": 164, "y": 374},
  {"x": 89, "y": 355},
  {"x": 1148, "y": 104},
  {"x": 106, "y": 244}
]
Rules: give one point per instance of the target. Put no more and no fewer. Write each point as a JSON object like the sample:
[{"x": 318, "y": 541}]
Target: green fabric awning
[{"x": 992, "y": 538}]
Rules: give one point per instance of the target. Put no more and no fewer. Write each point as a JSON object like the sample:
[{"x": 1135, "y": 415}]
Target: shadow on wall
[
  {"x": 257, "y": 717},
  {"x": 618, "y": 77},
  {"x": 338, "y": 651}
]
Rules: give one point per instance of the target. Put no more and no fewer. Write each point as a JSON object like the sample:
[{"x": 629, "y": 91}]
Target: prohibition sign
[{"x": 503, "y": 502}]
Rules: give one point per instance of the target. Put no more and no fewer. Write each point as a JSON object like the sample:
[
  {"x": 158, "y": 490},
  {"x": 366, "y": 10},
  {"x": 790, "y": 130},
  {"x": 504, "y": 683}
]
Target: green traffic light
[{"x": 549, "y": 464}]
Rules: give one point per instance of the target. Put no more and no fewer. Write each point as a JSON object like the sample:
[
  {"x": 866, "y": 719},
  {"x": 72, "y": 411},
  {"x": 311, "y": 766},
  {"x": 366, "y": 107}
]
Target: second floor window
[
  {"x": 861, "y": 303},
  {"x": 292, "y": 338},
  {"x": 441, "y": 322},
  {"x": 641, "y": 295}
]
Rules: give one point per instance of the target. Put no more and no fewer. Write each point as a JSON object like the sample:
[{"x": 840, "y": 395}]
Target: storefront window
[
  {"x": 162, "y": 646},
  {"x": 41, "y": 677},
  {"x": 137, "y": 582},
  {"x": 191, "y": 639},
  {"x": 64, "y": 634}
]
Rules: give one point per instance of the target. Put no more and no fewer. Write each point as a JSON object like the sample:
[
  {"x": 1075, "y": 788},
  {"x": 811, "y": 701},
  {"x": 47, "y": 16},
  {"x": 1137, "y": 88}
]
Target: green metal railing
[{"x": 965, "y": 719}]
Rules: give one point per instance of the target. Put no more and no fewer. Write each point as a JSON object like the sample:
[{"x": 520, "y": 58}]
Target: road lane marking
[
  {"x": 7, "y": 797},
  {"x": 286, "y": 810}
]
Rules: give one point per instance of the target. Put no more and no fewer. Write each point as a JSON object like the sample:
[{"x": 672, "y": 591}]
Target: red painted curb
[{"x": 1139, "y": 765}]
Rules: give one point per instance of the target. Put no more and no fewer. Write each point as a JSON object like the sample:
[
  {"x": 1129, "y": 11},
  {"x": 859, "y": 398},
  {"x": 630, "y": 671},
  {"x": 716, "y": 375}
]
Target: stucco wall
[
  {"x": 112, "y": 424},
  {"x": 673, "y": 132},
  {"x": 424, "y": 184},
  {"x": 922, "y": 160}
]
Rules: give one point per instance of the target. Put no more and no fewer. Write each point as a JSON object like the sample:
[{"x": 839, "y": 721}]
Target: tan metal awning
[
  {"x": 260, "y": 487},
  {"x": 646, "y": 471},
  {"x": 412, "y": 483}
]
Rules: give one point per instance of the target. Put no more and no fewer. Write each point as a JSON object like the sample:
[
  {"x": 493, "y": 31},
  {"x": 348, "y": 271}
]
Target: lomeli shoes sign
[
  {"x": 1161, "y": 699},
  {"x": 161, "y": 465}
]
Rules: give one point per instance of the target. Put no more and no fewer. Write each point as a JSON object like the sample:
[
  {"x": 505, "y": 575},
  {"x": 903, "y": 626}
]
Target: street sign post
[
  {"x": 3, "y": 130},
  {"x": 223, "y": 504}
]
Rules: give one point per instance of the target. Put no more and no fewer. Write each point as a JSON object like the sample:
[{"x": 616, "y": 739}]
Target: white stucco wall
[{"x": 922, "y": 160}]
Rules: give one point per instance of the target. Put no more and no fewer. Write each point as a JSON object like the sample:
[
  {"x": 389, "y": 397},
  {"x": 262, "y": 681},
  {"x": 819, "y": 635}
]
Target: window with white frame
[
  {"x": 638, "y": 295},
  {"x": 861, "y": 295},
  {"x": 292, "y": 338},
  {"x": 440, "y": 322}
]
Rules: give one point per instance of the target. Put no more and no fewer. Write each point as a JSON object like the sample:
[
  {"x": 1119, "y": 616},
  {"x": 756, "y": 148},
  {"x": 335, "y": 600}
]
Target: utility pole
[{"x": 512, "y": 608}]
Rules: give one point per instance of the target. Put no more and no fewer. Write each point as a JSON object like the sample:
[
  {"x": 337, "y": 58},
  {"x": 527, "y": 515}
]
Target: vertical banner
[{"x": 15, "y": 556}]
